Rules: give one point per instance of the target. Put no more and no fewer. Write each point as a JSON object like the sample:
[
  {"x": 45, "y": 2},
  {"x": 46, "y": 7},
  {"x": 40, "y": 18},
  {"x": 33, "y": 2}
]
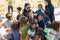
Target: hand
[{"x": 7, "y": 29}]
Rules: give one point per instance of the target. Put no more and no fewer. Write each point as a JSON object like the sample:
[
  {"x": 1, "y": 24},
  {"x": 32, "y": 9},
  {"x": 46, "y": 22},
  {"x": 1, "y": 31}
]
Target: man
[{"x": 10, "y": 5}]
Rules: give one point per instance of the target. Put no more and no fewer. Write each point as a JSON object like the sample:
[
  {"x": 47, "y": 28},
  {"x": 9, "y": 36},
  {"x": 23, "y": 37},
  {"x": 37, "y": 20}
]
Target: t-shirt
[
  {"x": 48, "y": 36},
  {"x": 31, "y": 32},
  {"x": 8, "y": 23},
  {"x": 47, "y": 20},
  {"x": 41, "y": 24},
  {"x": 57, "y": 37},
  {"x": 38, "y": 12},
  {"x": 10, "y": 2},
  {"x": 23, "y": 31},
  {"x": 15, "y": 34}
]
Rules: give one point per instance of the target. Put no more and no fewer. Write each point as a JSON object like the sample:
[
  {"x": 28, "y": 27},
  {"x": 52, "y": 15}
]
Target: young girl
[
  {"x": 24, "y": 25},
  {"x": 53, "y": 30},
  {"x": 57, "y": 30},
  {"x": 31, "y": 31}
]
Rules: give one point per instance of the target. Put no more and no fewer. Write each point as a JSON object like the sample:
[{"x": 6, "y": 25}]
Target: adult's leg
[
  {"x": 11, "y": 8},
  {"x": 8, "y": 8}
]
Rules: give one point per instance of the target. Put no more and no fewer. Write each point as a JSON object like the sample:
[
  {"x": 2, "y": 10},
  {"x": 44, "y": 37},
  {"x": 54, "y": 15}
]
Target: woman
[
  {"x": 26, "y": 10},
  {"x": 50, "y": 9}
]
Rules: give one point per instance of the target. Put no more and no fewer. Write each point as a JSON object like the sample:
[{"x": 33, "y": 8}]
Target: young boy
[
  {"x": 40, "y": 21},
  {"x": 9, "y": 20},
  {"x": 32, "y": 30},
  {"x": 19, "y": 12}
]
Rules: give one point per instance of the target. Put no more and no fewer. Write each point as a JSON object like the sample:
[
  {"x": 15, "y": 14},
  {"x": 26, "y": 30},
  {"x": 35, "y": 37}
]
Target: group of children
[{"x": 30, "y": 25}]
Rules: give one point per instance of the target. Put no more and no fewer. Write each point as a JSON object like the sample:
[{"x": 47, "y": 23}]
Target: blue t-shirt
[
  {"x": 46, "y": 20},
  {"x": 38, "y": 12},
  {"x": 15, "y": 34}
]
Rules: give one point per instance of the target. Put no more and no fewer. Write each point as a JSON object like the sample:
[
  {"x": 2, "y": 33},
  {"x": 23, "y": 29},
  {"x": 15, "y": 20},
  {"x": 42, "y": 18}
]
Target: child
[
  {"x": 53, "y": 30},
  {"x": 19, "y": 12},
  {"x": 2, "y": 30},
  {"x": 9, "y": 20},
  {"x": 24, "y": 25},
  {"x": 14, "y": 33},
  {"x": 40, "y": 21},
  {"x": 40, "y": 9},
  {"x": 40, "y": 34},
  {"x": 46, "y": 18},
  {"x": 31, "y": 31}
]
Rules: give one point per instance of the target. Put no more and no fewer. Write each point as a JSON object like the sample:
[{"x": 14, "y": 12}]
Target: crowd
[{"x": 30, "y": 25}]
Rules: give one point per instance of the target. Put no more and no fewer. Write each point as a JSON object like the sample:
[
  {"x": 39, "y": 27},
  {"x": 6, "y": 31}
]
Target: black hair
[
  {"x": 23, "y": 19},
  {"x": 26, "y": 4},
  {"x": 40, "y": 5},
  {"x": 40, "y": 14},
  {"x": 8, "y": 16},
  {"x": 46, "y": 12},
  {"x": 15, "y": 26},
  {"x": 49, "y": 2},
  {"x": 19, "y": 8},
  {"x": 32, "y": 21},
  {"x": 56, "y": 26}
]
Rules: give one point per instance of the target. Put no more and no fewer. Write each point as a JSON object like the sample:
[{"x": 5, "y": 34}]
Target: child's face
[
  {"x": 40, "y": 17},
  {"x": 33, "y": 26},
  {"x": 10, "y": 16}
]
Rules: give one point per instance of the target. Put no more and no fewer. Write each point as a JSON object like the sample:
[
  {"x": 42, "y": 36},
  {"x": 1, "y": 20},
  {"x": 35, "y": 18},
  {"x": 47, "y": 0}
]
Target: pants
[{"x": 10, "y": 8}]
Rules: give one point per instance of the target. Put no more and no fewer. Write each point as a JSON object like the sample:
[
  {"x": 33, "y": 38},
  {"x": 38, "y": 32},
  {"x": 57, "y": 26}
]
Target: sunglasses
[{"x": 28, "y": 7}]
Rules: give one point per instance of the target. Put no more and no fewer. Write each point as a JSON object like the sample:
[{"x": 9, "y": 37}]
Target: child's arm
[
  {"x": 53, "y": 33},
  {"x": 20, "y": 36},
  {"x": 27, "y": 37}
]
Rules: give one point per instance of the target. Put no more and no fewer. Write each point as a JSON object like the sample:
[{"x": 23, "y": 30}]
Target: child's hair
[
  {"x": 19, "y": 8},
  {"x": 48, "y": 25},
  {"x": 40, "y": 33},
  {"x": 8, "y": 17},
  {"x": 15, "y": 26},
  {"x": 40, "y": 14},
  {"x": 56, "y": 26},
  {"x": 23, "y": 19},
  {"x": 32, "y": 21}
]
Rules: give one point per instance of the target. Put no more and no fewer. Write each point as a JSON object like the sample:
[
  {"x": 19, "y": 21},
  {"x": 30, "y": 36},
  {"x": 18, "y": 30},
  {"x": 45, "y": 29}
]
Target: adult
[
  {"x": 10, "y": 5},
  {"x": 50, "y": 9},
  {"x": 26, "y": 10}
]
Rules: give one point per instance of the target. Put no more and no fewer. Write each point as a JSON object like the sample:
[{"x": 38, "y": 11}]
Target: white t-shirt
[
  {"x": 8, "y": 23},
  {"x": 31, "y": 33}
]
